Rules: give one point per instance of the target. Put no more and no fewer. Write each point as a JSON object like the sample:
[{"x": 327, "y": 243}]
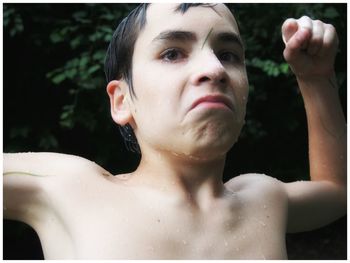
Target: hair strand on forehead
[{"x": 118, "y": 61}]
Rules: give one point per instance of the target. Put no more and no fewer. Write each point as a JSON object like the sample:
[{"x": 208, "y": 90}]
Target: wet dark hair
[{"x": 118, "y": 61}]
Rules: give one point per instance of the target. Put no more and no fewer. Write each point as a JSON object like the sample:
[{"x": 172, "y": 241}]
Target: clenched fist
[{"x": 311, "y": 46}]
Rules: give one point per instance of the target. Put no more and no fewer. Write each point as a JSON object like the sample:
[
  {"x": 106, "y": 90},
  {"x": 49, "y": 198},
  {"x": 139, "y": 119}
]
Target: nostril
[
  {"x": 223, "y": 81},
  {"x": 203, "y": 79}
]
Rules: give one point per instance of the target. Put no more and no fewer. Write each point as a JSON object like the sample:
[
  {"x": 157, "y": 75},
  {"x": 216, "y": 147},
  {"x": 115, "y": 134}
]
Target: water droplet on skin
[
  {"x": 265, "y": 206},
  {"x": 226, "y": 243},
  {"x": 262, "y": 223},
  {"x": 175, "y": 154},
  {"x": 184, "y": 242}
]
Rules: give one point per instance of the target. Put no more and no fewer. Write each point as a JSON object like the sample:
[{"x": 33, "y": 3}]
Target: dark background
[{"x": 55, "y": 100}]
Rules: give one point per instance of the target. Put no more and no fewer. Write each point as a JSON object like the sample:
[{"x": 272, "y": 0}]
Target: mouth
[{"x": 213, "y": 101}]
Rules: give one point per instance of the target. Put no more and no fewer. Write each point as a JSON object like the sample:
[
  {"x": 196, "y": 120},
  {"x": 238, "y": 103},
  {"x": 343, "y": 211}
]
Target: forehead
[{"x": 161, "y": 17}]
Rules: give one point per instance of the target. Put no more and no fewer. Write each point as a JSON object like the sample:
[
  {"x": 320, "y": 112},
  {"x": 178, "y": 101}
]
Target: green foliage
[
  {"x": 54, "y": 87},
  {"x": 12, "y": 20},
  {"x": 60, "y": 79},
  {"x": 268, "y": 72},
  {"x": 268, "y": 66}
]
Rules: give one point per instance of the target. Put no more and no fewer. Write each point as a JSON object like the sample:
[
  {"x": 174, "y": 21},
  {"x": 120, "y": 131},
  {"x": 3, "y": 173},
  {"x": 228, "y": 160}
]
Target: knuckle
[
  {"x": 306, "y": 19},
  {"x": 318, "y": 22},
  {"x": 331, "y": 28},
  {"x": 305, "y": 22},
  {"x": 287, "y": 22}
]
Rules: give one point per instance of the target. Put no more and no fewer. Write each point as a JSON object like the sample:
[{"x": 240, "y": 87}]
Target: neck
[{"x": 193, "y": 181}]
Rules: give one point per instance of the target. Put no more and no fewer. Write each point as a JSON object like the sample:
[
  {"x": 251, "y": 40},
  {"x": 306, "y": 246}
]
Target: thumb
[{"x": 289, "y": 28}]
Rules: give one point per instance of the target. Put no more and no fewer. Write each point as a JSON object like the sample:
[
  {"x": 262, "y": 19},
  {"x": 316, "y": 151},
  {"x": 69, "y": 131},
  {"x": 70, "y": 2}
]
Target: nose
[{"x": 209, "y": 69}]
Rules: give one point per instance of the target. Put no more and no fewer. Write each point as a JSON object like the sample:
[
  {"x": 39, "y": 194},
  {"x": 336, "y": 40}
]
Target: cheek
[
  {"x": 240, "y": 91},
  {"x": 159, "y": 86},
  {"x": 155, "y": 105}
]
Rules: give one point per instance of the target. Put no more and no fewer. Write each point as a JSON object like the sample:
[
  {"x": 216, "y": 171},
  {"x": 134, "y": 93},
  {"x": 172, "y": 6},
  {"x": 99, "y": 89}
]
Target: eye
[
  {"x": 229, "y": 57},
  {"x": 172, "y": 55}
]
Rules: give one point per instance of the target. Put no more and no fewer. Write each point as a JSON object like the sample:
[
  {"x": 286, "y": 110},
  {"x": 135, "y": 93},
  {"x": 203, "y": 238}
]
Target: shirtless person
[{"x": 186, "y": 106}]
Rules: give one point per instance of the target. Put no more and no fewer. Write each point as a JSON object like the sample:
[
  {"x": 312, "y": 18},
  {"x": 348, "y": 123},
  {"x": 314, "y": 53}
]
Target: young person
[{"x": 178, "y": 88}]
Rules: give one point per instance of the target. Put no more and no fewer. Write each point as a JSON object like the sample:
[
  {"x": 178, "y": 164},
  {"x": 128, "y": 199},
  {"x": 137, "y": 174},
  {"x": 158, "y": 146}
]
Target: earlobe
[{"x": 120, "y": 109}]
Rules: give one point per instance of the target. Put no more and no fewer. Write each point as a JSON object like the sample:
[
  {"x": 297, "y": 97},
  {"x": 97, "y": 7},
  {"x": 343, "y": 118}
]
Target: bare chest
[{"x": 102, "y": 230}]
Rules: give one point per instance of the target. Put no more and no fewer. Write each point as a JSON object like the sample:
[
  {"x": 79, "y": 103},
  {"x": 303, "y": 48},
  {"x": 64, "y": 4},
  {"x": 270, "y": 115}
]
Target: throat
[{"x": 188, "y": 181}]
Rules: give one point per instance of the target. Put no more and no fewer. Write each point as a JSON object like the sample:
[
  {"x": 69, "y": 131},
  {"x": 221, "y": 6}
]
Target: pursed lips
[{"x": 214, "y": 99}]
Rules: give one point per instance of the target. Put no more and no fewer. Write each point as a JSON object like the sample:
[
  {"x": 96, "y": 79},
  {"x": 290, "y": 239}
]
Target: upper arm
[
  {"x": 313, "y": 204},
  {"x": 26, "y": 179},
  {"x": 265, "y": 195},
  {"x": 308, "y": 204}
]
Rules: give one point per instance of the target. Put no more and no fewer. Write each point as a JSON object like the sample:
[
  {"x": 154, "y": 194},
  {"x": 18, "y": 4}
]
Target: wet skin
[{"x": 191, "y": 88}]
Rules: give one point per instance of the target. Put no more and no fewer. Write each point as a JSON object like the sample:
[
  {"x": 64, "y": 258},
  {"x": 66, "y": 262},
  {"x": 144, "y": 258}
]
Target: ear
[{"x": 120, "y": 110}]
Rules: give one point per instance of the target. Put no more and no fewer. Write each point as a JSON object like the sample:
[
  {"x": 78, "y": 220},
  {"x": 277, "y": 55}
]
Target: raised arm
[
  {"x": 29, "y": 176},
  {"x": 311, "y": 47}
]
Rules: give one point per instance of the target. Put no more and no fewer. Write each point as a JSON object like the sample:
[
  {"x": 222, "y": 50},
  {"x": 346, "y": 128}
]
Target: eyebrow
[
  {"x": 179, "y": 35},
  {"x": 231, "y": 38},
  {"x": 175, "y": 35}
]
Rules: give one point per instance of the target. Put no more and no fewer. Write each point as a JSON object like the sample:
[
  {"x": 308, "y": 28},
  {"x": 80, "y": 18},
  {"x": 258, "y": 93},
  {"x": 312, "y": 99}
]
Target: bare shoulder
[
  {"x": 252, "y": 180},
  {"x": 257, "y": 185},
  {"x": 77, "y": 164},
  {"x": 46, "y": 164},
  {"x": 262, "y": 197},
  {"x": 31, "y": 179}
]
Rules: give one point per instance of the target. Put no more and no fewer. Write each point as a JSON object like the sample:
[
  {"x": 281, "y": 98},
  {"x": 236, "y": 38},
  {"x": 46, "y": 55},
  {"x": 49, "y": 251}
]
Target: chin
[
  {"x": 216, "y": 135},
  {"x": 209, "y": 141},
  {"x": 209, "y": 147}
]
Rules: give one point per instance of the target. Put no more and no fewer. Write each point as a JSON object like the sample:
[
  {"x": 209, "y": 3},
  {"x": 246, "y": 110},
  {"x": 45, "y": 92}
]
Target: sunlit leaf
[{"x": 59, "y": 78}]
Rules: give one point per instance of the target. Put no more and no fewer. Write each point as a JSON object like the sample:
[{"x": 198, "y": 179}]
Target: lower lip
[{"x": 212, "y": 105}]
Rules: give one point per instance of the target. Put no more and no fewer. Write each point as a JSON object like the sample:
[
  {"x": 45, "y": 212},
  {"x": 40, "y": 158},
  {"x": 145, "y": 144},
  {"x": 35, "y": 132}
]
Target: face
[{"x": 190, "y": 81}]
